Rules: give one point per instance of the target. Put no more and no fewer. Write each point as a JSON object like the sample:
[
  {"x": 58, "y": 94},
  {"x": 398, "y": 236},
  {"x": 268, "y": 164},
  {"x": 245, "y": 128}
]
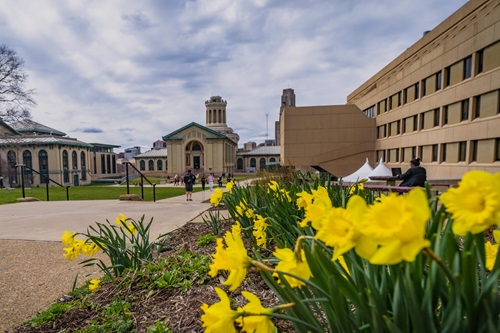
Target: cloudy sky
[{"x": 128, "y": 72}]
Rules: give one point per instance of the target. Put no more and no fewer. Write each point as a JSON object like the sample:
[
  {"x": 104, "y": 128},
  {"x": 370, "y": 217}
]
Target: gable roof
[
  {"x": 42, "y": 140},
  {"x": 8, "y": 128},
  {"x": 263, "y": 150},
  {"x": 29, "y": 125},
  {"x": 172, "y": 135},
  {"x": 153, "y": 153}
]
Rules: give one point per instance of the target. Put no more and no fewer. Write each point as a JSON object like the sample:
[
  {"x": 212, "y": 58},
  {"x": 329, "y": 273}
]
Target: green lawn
[{"x": 92, "y": 192}]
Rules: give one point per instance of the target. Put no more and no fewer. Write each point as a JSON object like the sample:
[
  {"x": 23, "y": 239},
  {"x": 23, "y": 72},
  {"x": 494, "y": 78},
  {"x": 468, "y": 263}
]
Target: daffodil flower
[
  {"x": 94, "y": 285},
  {"x": 67, "y": 238},
  {"x": 233, "y": 258},
  {"x": 294, "y": 264},
  {"x": 475, "y": 203},
  {"x": 259, "y": 230},
  {"x": 219, "y": 317},
  {"x": 216, "y": 197},
  {"x": 252, "y": 319},
  {"x": 492, "y": 251}
]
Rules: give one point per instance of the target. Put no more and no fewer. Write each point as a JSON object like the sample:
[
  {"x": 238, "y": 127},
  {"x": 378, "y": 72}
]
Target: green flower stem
[
  {"x": 261, "y": 267},
  {"x": 428, "y": 252}
]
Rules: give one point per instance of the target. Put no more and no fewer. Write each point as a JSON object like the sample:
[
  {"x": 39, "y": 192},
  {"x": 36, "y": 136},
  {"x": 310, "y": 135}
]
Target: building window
[
  {"x": 434, "y": 153},
  {"x": 436, "y": 117},
  {"x": 142, "y": 165},
  {"x": 151, "y": 165},
  {"x": 253, "y": 162},
  {"x": 108, "y": 163},
  {"x": 113, "y": 162},
  {"x": 83, "y": 165},
  {"x": 74, "y": 160},
  {"x": 11, "y": 162},
  {"x": 43, "y": 165},
  {"x": 65, "y": 161},
  {"x": 480, "y": 61},
  {"x": 467, "y": 67},
  {"x": 439, "y": 77},
  {"x": 103, "y": 164},
  {"x": 447, "y": 77},
  {"x": 262, "y": 163},
  {"x": 464, "y": 115},
  {"x": 417, "y": 90},
  {"x": 370, "y": 112},
  {"x": 462, "y": 150},
  {"x": 239, "y": 164},
  {"x": 443, "y": 152},
  {"x": 166, "y": 164},
  {"x": 473, "y": 146},
  {"x": 415, "y": 123},
  {"x": 497, "y": 149},
  {"x": 159, "y": 165}
]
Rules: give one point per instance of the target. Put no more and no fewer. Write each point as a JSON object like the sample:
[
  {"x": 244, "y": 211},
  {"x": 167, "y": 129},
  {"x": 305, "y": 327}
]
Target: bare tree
[{"x": 15, "y": 99}]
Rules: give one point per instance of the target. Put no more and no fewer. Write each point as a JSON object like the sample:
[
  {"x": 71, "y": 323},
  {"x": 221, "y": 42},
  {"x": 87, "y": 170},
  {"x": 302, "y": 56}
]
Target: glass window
[
  {"x": 465, "y": 110},
  {"x": 65, "y": 159},
  {"x": 434, "y": 153},
  {"x": 103, "y": 163},
  {"x": 474, "y": 151},
  {"x": 74, "y": 160},
  {"x": 467, "y": 67},
  {"x": 497, "y": 149},
  {"x": 253, "y": 162},
  {"x": 159, "y": 165},
  {"x": 439, "y": 77},
  {"x": 480, "y": 61},
  {"x": 151, "y": 165},
  {"x": 83, "y": 165},
  {"x": 43, "y": 165},
  {"x": 462, "y": 149},
  {"x": 142, "y": 165},
  {"x": 239, "y": 164}
]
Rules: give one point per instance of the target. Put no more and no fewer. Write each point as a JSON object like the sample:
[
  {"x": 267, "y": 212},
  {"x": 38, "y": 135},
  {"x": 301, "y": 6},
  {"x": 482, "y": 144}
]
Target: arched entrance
[{"x": 194, "y": 155}]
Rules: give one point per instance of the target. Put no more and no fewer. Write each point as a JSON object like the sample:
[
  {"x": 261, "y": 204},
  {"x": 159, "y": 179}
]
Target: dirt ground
[{"x": 32, "y": 276}]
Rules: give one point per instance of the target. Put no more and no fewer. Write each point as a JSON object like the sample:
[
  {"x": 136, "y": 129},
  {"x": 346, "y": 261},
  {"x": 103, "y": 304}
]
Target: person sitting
[{"x": 415, "y": 176}]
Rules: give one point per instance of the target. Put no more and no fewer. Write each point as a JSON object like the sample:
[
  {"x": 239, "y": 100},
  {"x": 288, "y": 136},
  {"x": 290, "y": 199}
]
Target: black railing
[
  {"x": 42, "y": 176},
  {"x": 127, "y": 164}
]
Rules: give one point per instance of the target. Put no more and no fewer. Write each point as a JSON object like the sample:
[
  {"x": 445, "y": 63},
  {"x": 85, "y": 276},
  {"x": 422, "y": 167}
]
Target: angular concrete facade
[{"x": 439, "y": 100}]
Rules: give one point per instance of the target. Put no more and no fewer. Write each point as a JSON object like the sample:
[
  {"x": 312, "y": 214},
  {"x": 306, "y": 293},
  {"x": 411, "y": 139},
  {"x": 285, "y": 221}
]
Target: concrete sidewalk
[{"x": 46, "y": 221}]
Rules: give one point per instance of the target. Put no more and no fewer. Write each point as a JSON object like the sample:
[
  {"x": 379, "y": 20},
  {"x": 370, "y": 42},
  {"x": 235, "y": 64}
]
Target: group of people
[{"x": 189, "y": 180}]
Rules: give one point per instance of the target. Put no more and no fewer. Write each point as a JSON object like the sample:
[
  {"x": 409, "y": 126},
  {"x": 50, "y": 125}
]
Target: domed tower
[{"x": 216, "y": 117}]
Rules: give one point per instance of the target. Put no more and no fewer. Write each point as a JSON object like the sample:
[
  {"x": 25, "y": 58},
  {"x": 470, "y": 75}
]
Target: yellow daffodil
[
  {"x": 252, "y": 320},
  {"x": 216, "y": 197},
  {"x": 273, "y": 186},
  {"x": 354, "y": 189},
  {"x": 233, "y": 258},
  {"x": 67, "y": 238},
  {"x": 294, "y": 264},
  {"x": 492, "y": 251},
  {"x": 89, "y": 249},
  {"x": 243, "y": 210},
  {"x": 397, "y": 223},
  {"x": 286, "y": 194},
  {"x": 343, "y": 264},
  {"x": 229, "y": 186},
  {"x": 94, "y": 285},
  {"x": 318, "y": 209},
  {"x": 259, "y": 230},
  {"x": 339, "y": 229},
  {"x": 304, "y": 199},
  {"x": 475, "y": 203},
  {"x": 219, "y": 317},
  {"x": 70, "y": 254},
  {"x": 121, "y": 219}
]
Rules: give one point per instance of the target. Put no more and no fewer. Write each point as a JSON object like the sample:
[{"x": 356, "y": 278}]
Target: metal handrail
[
  {"x": 47, "y": 179},
  {"x": 142, "y": 181}
]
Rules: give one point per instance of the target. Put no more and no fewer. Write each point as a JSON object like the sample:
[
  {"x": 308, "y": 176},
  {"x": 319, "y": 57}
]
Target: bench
[{"x": 388, "y": 188}]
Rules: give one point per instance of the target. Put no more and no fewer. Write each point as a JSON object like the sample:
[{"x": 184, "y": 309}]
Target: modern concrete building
[{"x": 439, "y": 100}]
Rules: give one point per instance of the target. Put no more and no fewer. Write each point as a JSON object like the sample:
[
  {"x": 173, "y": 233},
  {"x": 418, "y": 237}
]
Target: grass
[{"x": 91, "y": 192}]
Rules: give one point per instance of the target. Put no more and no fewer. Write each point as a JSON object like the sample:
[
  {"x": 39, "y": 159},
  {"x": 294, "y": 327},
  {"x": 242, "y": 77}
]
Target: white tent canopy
[
  {"x": 359, "y": 174},
  {"x": 380, "y": 170}
]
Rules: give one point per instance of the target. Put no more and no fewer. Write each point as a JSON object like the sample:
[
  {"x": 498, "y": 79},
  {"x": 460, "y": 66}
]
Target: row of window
[
  {"x": 482, "y": 106},
  {"x": 253, "y": 163},
  {"x": 43, "y": 165},
  {"x": 474, "y": 151},
  {"x": 484, "y": 60},
  {"x": 151, "y": 165}
]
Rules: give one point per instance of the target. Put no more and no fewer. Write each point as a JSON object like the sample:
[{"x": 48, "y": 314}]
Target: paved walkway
[{"x": 46, "y": 221}]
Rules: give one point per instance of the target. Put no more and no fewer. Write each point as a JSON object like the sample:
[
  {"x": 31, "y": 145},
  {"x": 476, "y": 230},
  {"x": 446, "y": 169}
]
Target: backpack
[{"x": 188, "y": 178}]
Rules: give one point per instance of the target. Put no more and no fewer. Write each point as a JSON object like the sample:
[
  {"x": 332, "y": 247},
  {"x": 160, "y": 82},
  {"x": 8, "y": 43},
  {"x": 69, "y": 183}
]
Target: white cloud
[{"x": 139, "y": 70}]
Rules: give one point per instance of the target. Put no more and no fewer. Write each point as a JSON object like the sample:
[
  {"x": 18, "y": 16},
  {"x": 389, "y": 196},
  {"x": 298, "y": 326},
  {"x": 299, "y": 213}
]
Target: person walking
[
  {"x": 211, "y": 181},
  {"x": 203, "y": 182},
  {"x": 220, "y": 181},
  {"x": 188, "y": 180}
]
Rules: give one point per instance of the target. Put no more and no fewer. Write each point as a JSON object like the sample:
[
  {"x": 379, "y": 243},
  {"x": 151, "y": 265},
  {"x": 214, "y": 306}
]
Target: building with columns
[{"x": 204, "y": 149}]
